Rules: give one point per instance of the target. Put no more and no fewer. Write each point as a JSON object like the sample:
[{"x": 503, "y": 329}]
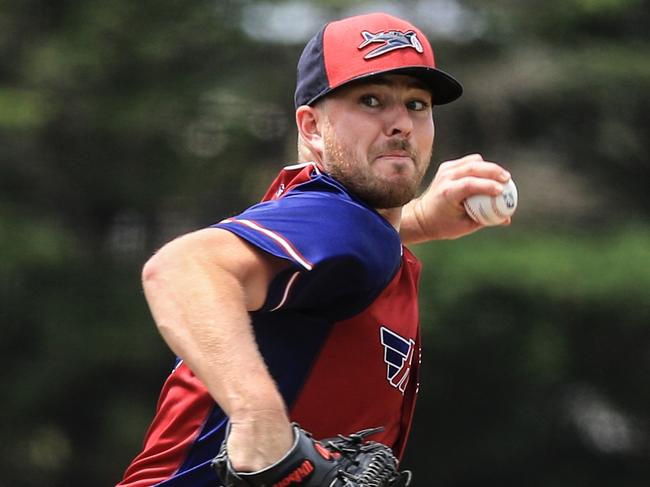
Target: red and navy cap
[{"x": 368, "y": 45}]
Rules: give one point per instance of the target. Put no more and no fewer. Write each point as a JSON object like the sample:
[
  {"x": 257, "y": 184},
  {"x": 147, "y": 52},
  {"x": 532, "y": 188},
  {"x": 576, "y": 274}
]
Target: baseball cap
[{"x": 368, "y": 45}]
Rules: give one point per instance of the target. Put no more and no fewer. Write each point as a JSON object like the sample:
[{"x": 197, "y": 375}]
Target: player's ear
[{"x": 308, "y": 121}]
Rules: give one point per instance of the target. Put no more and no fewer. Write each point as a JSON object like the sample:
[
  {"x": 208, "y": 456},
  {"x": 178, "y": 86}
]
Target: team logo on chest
[{"x": 398, "y": 355}]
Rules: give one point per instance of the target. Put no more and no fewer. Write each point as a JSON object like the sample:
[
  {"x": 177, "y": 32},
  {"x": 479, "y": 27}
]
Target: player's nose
[{"x": 398, "y": 120}]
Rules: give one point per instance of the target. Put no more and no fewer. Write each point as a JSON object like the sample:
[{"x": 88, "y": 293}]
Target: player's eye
[
  {"x": 417, "y": 105},
  {"x": 369, "y": 101}
]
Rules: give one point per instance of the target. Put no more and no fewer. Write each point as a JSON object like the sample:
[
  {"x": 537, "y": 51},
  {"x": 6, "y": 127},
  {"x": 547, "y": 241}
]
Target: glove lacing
[{"x": 375, "y": 474}]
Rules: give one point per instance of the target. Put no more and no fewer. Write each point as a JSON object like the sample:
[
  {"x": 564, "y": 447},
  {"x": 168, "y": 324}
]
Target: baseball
[{"x": 493, "y": 210}]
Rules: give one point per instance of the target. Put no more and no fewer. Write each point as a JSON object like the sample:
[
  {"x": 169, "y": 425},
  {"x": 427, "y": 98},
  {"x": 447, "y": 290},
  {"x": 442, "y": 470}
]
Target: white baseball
[{"x": 493, "y": 210}]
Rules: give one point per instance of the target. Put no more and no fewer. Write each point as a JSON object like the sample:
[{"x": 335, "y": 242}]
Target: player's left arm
[{"x": 439, "y": 213}]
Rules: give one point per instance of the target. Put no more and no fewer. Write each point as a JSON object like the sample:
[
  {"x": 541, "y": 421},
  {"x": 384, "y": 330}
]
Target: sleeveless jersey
[{"x": 339, "y": 331}]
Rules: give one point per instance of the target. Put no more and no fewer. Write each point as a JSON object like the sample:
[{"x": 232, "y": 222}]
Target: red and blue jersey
[{"x": 339, "y": 330}]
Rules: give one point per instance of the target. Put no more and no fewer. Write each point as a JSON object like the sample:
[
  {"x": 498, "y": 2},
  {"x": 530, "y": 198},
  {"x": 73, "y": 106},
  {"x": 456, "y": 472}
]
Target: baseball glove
[{"x": 344, "y": 461}]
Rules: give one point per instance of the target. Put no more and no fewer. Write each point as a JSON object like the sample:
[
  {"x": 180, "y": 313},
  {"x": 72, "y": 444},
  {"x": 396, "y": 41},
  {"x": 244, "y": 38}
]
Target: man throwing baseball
[{"x": 302, "y": 310}]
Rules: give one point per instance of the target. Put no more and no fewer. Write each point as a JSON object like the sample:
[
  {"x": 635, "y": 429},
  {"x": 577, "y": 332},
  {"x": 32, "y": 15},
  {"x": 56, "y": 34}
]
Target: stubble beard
[{"x": 342, "y": 164}]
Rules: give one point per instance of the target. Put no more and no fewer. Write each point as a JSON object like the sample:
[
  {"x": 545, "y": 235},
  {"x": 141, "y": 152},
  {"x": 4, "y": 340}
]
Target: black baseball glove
[{"x": 345, "y": 461}]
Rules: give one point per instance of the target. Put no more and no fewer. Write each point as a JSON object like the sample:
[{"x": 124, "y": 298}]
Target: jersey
[{"x": 339, "y": 330}]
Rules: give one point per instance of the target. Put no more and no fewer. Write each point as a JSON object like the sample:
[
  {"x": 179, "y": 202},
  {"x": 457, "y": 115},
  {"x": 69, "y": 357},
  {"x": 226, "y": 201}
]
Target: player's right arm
[{"x": 200, "y": 288}]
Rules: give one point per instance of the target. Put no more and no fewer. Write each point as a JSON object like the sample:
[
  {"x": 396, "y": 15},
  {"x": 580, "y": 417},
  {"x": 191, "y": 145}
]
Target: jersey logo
[
  {"x": 398, "y": 355},
  {"x": 390, "y": 40}
]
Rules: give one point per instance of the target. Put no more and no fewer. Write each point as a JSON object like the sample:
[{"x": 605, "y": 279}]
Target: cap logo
[{"x": 390, "y": 40}]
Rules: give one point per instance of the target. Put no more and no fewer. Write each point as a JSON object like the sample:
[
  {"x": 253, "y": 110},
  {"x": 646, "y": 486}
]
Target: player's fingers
[
  {"x": 475, "y": 166},
  {"x": 462, "y": 160},
  {"x": 460, "y": 189},
  {"x": 487, "y": 170}
]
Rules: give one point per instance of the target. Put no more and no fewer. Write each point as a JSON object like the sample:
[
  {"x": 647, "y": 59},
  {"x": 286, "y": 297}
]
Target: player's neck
[{"x": 393, "y": 215}]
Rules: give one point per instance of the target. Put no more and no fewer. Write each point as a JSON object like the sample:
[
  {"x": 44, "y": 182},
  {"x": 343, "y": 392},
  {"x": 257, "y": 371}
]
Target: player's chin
[
  {"x": 391, "y": 194},
  {"x": 406, "y": 177},
  {"x": 397, "y": 181}
]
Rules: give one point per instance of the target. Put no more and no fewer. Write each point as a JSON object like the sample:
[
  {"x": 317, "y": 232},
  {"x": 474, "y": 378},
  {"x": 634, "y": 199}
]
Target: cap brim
[{"x": 444, "y": 87}]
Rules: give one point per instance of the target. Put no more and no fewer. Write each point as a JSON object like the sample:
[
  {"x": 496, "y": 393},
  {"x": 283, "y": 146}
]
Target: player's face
[{"x": 378, "y": 136}]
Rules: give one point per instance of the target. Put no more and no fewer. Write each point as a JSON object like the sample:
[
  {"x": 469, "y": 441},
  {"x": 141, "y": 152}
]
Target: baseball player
[{"x": 297, "y": 320}]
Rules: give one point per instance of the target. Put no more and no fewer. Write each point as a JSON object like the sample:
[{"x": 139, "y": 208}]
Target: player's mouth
[
  {"x": 396, "y": 151},
  {"x": 396, "y": 155},
  {"x": 398, "y": 161}
]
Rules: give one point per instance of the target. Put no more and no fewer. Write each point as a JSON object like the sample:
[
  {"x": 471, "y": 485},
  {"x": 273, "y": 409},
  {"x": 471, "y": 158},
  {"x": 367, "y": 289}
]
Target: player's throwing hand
[{"x": 439, "y": 212}]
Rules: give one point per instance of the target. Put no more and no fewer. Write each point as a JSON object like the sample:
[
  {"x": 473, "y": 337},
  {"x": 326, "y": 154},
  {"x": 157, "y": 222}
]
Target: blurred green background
[{"x": 125, "y": 123}]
